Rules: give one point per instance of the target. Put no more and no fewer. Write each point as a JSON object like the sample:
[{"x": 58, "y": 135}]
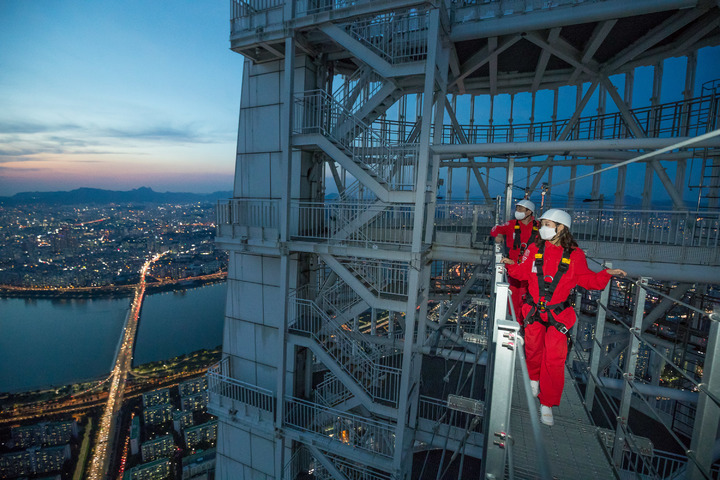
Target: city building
[
  {"x": 193, "y": 386},
  {"x": 156, "y": 470},
  {"x": 135, "y": 435},
  {"x": 378, "y": 144},
  {"x": 197, "y": 401},
  {"x": 51, "y": 459},
  {"x": 206, "y": 432},
  {"x": 158, "y": 414},
  {"x": 156, "y": 397},
  {"x": 46, "y": 433},
  {"x": 198, "y": 465},
  {"x": 17, "y": 463},
  {"x": 182, "y": 419},
  {"x": 33, "y": 461},
  {"x": 160, "y": 447}
]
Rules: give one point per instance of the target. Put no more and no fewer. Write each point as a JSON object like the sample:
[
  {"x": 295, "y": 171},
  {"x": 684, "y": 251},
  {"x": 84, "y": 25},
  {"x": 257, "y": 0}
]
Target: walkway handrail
[
  {"x": 540, "y": 451},
  {"x": 684, "y": 118},
  {"x": 701, "y": 388},
  {"x": 630, "y": 379},
  {"x": 679, "y": 228}
]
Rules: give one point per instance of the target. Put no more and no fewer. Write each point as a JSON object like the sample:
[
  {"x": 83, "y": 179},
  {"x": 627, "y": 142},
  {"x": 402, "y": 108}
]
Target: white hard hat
[
  {"x": 558, "y": 216},
  {"x": 527, "y": 204}
]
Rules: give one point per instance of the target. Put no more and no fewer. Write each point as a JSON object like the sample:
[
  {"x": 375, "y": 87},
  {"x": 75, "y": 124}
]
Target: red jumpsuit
[
  {"x": 546, "y": 349},
  {"x": 518, "y": 288}
]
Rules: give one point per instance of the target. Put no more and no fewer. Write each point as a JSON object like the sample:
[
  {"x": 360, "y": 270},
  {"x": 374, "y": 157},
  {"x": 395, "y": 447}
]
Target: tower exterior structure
[{"x": 350, "y": 276}]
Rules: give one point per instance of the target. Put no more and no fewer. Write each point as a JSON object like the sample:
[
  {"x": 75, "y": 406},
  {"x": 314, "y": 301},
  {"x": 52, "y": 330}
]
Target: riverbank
[
  {"x": 115, "y": 291},
  {"x": 143, "y": 376}
]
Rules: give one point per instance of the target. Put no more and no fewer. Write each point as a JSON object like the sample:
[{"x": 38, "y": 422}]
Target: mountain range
[{"x": 83, "y": 196}]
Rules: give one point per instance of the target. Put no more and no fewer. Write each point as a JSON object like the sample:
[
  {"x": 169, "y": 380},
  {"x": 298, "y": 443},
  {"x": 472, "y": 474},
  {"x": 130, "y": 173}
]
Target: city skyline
[{"x": 118, "y": 96}]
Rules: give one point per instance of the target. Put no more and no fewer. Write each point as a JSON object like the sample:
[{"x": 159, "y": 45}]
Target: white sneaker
[
  {"x": 535, "y": 387},
  {"x": 546, "y": 415}
]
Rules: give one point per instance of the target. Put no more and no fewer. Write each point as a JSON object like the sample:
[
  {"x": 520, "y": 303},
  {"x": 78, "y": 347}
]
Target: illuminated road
[{"x": 106, "y": 428}]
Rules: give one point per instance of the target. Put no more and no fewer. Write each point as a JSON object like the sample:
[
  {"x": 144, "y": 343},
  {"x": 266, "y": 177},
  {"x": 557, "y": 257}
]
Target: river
[{"x": 50, "y": 342}]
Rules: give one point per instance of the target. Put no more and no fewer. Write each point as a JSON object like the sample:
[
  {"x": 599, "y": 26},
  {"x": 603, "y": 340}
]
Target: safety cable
[
  {"x": 609, "y": 401},
  {"x": 648, "y": 342},
  {"x": 638, "y": 282},
  {"x": 632, "y": 383},
  {"x": 654, "y": 153},
  {"x": 688, "y": 452}
]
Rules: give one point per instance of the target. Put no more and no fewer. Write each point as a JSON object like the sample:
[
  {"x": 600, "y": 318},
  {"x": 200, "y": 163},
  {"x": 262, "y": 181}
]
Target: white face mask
[
  {"x": 547, "y": 233},
  {"x": 520, "y": 215}
]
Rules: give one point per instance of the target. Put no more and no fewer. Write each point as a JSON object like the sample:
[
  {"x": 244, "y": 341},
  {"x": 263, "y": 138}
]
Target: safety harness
[
  {"x": 517, "y": 243},
  {"x": 545, "y": 292}
]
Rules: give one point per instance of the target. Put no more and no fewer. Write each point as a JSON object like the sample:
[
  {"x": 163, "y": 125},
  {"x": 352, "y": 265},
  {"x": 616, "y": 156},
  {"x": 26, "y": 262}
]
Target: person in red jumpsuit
[
  {"x": 518, "y": 234},
  {"x": 548, "y": 316}
]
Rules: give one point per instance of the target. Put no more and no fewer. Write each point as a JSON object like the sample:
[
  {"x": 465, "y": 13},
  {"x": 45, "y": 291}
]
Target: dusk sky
[
  {"x": 120, "y": 95},
  {"x": 117, "y": 95}
]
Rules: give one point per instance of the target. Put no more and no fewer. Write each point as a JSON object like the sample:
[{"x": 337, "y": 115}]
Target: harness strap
[
  {"x": 517, "y": 241},
  {"x": 545, "y": 291},
  {"x": 552, "y": 310}
]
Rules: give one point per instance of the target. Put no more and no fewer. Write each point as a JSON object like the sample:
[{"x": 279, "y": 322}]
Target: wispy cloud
[
  {"x": 160, "y": 133},
  {"x": 23, "y": 141},
  {"x": 20, "y": 128}
]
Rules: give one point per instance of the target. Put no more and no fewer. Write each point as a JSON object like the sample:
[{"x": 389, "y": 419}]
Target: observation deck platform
[{"x": 572, "y": 444}]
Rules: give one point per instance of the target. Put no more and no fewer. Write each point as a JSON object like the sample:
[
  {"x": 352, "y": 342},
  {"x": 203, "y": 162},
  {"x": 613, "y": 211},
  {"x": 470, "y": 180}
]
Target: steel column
[
  {"x": 707, "y": 417},
  {"x": 622, "y": 429},
  {"x": 598, "y": 347}
]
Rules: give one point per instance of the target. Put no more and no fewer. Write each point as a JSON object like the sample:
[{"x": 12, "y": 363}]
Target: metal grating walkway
[{"x": 572, "y": 444}]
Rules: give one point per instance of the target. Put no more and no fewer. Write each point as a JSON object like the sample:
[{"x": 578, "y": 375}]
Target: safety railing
[
  {"x": 499, "y": 8},
  {"x": 358, "y": 88},
  {"x": 331, "y": 391},
  {"x": 309, "y": 7},
  {"x": 249, "y": 212},
  {"x": 357, "y": 192},
  {"x": 679, "y": 228},
  {"x": 318, "y": 112},
  {"x": 382, "y": 277},
  {"x": 356, "y": 470},
  {"x": 301, "y": 463},
  {"x": 353, "y": 223},
  {"x": 249, "y": 15},
  {"x": 659, "y": 402},
  {"x": 336, "y": 299},
  {"x": 397, "y": 37},
  {"x": 243, "y": 8},
  {"x": 340, "y": 427},
  {"x": 685, "y": 118},
  {"x": 221, "y": 383},
  {"x": 503, "y": 309},
  {"x": 458, "y": 219},
  {"x": 355, "y": 358}
]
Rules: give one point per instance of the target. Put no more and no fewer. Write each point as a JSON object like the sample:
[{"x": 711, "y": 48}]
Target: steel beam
[
  {"x": 557, "y": 17},
  {"x": 539, "y": 148}
]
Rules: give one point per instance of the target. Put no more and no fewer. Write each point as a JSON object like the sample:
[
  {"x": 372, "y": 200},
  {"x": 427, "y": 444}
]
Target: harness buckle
[
  {"x": 542, "y": 305},
  {"x": 563, "y": 329}
]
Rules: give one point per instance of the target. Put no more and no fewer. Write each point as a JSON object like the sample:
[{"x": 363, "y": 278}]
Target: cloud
[
  {"x": 3, "y": 168},
  {"x": 160, "y": 133},
  {"x": 32, "y": 128}
]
